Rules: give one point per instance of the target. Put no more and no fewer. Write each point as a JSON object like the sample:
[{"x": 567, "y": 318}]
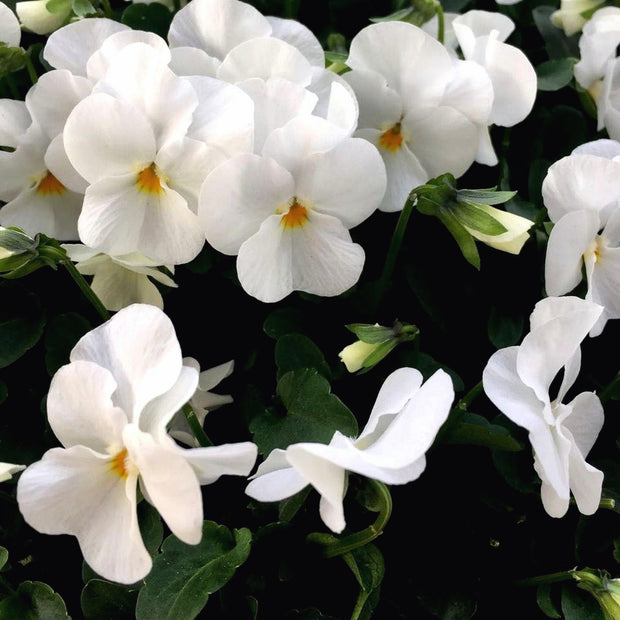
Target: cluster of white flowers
[{"x": 135, "y": 151}]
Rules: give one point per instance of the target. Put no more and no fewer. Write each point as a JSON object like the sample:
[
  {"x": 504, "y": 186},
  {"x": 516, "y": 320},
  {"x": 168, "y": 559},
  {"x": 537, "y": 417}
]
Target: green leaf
[
  {"x": 21, "y": 323},
  {"x": 288, "y": 507},
  {"x": 368, "y": 566},
  {"x": 33, "y": 600},
  {"x": 578, "y": 604},
  {"x": 471, "y": 216},
  {"x": 102, "y": 600},
  {"x": 154, "y": 17},
  {"x": 184, "y": 576},
  {"x": 283, "y": 321},
  {"x": 313, "y": 413},
  {"x": 546, "y": 604},
  {"x": 557, "y": 44},
  {"x": 476, "y": 430},
  {"x": 555, "y": 73},
  {"x": 4, "y": 557},
  {"x": 488, "y": 196},
  {"x": 294, "y": 351},
  {"x": 61, "y": 335}
]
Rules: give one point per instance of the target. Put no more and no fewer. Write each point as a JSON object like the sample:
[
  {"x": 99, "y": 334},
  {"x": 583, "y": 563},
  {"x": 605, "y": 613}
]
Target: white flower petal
[
  {"x": 10, "y": 30},
  {"x": 300, "y": 37},
  {"x": 231, "y": 459}
]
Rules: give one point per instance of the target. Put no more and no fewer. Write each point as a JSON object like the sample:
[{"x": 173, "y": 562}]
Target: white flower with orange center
[
  {"x": 286, "y": 214},
  {"x": 109, "y": 408},
  {"x": 417, "y": 105},
  {"x": 141, "y": 194}
]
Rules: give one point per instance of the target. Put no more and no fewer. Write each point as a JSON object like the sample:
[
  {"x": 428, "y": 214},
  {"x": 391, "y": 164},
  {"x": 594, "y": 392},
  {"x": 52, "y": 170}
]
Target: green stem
[
  {"x": 395, "y": 245},
  {"x": 196, "y": 427},
  {"x": 441, "y": 25},
  {"x": 469, "y": 398},
  {"x": 543, "y": 579},
  {"x": 32, "y": 72},
  {"x": 456, "y": 413},
  {"x": 87, "y": 291},
  {"x": 606, "y": 393},
  {"x": 359, "y": 539},
  {"x": 12, "y": 87}
]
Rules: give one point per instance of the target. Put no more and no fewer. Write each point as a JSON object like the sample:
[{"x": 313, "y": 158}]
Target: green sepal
[
  {"x": 489, "y": 196},
  {"x": 371, "y": 334},
  {"x": 465, "y": 241},
  {"x": 377, "y": 355},
  {"x": 58, "y": 6},
  {"x": 11, "y": 59},
  {"x": 83, "y": 8},
  {"x": 471, "y": 216}
]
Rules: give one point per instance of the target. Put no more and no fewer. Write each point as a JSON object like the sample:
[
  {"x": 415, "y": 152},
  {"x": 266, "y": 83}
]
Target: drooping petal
[
  {"x": 138, "y": 345},
  {"x": 568, "y": 241},
  {"x": 516, "y": 234},
  {"x": 237, "y": 197},
  {"x": 475, "y": 23},
  {"x": 585, "y": 421},
  {"x": 80, "y": 408},
  {"x": 275, "y": 479},
  {"x": 231, "y": 459},
  {"x": 396, "y": 390},
  {"x": 170, "y": 484},
  {"x": 77, "y": 492},
  {"x": 555, "y": 504}
]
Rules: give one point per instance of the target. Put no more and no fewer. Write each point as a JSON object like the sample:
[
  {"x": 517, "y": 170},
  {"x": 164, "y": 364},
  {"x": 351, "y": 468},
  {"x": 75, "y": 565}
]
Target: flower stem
[
  {"x": 107, "y": 9},
  {"x": 395, "y": 245},
  {"x": 196, "y": 427},
  {"x": 542, "y": 579},
  {"x": 86, "y": 290},
  {"x": 32, "y": 72},
  {"x": 340, "y": 546},
  {"x": 441, "y": 26}
]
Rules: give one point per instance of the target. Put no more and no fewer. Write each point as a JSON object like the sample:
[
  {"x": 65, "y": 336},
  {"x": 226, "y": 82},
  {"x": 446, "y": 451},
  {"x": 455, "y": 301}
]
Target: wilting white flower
[
  {"x": 582, "y": 192},
  {"x": 119, "y": 281},
  {"x": 109, "y": 407},
  {"x": 202, "y": 401},
  {"x": 518, "y": 379},
  {"x": 287, "y": 213},
  {"x": 401, "y": 428}
]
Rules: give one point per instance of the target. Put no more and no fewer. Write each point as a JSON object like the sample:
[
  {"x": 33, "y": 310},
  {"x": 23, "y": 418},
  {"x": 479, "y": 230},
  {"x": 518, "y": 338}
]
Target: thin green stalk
[
  {"x": 395, "y": 245},
  {"x": 107, "y": 9},
  {"x": 32, "y": 72},
  {"x": 469, "y": 398},
  {"x": 359, "y": 539},
  {"x": 87, "y": 291},
  {"x": 195, "y": 426},
  {"x": 441, "y": 26},
  {"x": 566, "y": 575}
]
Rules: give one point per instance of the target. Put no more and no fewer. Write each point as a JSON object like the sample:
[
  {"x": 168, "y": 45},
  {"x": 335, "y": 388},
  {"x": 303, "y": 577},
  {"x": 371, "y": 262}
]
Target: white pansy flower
[
  {"x": 288, "y": 212},
  {"x": 401, "y": 77},
  {"x": 581, "y": 193},
  {"x": 402, "y": 426},
  {"x": 109, "y": 408},
  {"x": 518, "y": 379}
]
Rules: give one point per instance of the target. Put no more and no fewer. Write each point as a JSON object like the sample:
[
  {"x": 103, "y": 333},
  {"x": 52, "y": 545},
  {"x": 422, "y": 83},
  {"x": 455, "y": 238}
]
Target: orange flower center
[
  {"x": 391, "y": 139},
  {"x": 49, "y": 185},
  {"x": 148, "y": 181},
  {"x": 118, "y": 464},
  {"x": 296, "y": 216}
]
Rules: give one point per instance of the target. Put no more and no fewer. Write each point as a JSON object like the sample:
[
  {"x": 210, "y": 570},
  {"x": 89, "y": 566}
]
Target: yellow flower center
[
  {"x": 118, "y": 464},
  {"x": 296, "y": 216},
  {"x": 148, "y": 181},
  {"x": 391, "y": 139},
  {"x": 49, "y": 185}
]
